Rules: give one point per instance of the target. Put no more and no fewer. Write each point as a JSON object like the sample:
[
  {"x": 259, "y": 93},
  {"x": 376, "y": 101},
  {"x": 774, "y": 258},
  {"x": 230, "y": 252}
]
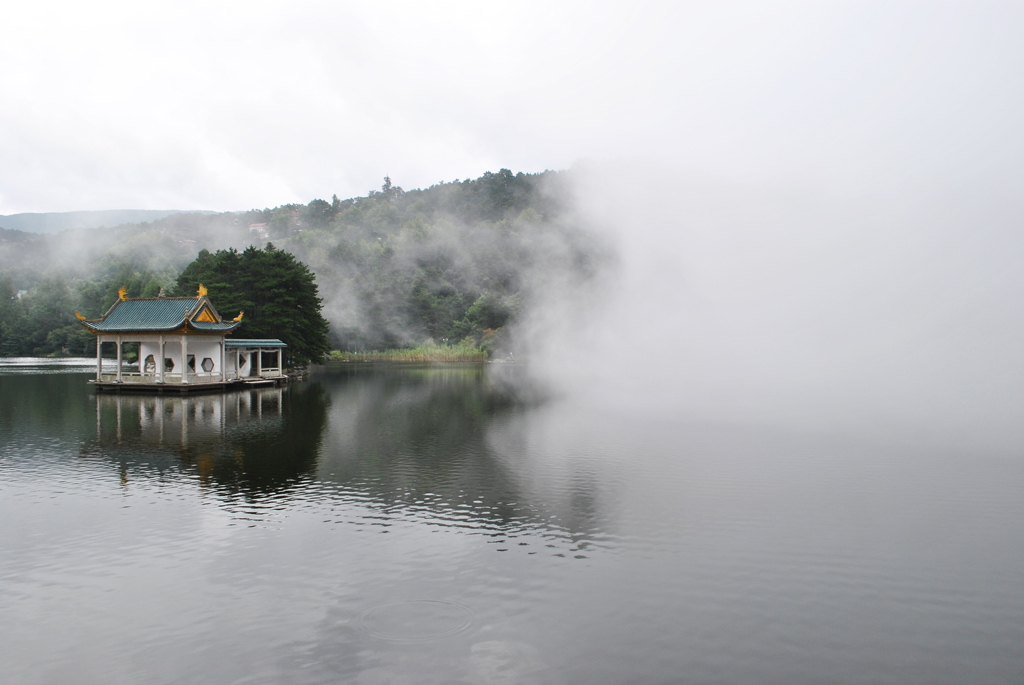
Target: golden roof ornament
[
  {"x": 123, "y": 293},
  {"x": 202, "y": 291},
  {"x": 239, "y": 317},
  {"x": 80, "y": 317}
]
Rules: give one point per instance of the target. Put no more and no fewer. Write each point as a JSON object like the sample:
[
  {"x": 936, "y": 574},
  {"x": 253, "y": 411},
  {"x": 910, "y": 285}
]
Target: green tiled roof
[
  {"x": 156, "y": 314},
  {"x": 265, "y": 342}
]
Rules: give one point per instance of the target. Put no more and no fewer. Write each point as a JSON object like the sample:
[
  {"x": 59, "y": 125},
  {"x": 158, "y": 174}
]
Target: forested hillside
[{"x": 395, "y": 268}]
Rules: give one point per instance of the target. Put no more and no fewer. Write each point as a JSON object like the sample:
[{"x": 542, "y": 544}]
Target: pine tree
[{"x": 277, "y": 293}]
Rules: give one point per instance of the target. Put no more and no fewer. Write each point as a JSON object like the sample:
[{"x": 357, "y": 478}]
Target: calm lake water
[{"x": 430, "y": 525}]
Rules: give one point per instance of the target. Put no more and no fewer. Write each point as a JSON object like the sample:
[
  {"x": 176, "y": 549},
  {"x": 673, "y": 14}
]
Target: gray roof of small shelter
[
  {"x": 153, "y": 314},
  {"x": 265, "y": 342}
]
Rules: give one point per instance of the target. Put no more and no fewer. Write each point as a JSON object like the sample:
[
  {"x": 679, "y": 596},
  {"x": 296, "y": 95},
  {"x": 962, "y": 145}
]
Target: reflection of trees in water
[
  {"x": 417, "y": 442},
  {"x": 445, "y": 445},
  {"x": 254, "y": 442}
]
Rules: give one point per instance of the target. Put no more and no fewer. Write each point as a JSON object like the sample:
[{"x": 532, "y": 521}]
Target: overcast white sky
[{"x": 236, "y": 105}]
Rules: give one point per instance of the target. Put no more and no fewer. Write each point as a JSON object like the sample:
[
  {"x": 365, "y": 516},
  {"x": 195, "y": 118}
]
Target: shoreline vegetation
[{"x": 423, "y": 353}]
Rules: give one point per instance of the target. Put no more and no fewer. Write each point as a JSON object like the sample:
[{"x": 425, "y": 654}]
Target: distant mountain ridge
[{"x": 55, "y": 222}]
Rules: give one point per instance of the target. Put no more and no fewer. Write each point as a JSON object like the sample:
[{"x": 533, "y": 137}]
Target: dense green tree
[
  {"x": 277, "y": 293},
  {"x": 316, "y": 214}
]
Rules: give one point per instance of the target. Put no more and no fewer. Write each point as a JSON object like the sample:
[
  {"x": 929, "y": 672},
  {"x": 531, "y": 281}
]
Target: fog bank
[{"x": 872, "y": 314}]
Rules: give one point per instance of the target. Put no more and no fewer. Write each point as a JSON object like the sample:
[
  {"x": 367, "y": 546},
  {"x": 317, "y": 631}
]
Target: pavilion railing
[
  {"x": 266, "y": 372},
  {"x": 153, "y": 378},
  {"x": 193, "y": 377}
]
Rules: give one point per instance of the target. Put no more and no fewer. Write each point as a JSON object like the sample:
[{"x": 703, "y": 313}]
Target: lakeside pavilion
[{"x": 183, "y": 346}]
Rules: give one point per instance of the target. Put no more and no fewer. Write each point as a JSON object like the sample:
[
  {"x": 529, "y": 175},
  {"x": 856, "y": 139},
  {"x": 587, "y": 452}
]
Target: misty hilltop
[
  {"x": 55, "y": 222},
  {"x": 457, "y": 261}
]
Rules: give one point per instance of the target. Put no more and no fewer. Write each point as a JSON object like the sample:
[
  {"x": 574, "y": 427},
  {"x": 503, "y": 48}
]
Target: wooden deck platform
[{"x": 187, "y": 388}]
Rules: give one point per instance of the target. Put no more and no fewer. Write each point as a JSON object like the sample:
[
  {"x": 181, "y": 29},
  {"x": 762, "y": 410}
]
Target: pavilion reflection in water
[
  {"x": 181, "y": 421},
  {"x": 177, "y": 421},
  {"x": 438, "y": 447},
  {"x": 254, "y": 442}
]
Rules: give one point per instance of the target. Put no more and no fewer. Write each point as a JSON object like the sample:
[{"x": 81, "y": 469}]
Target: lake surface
[{"x": 439, "y": 525}]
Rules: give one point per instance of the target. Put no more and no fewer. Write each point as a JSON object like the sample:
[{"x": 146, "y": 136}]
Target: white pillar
[
  {"x": 118, "y": 359},
  {"x": 184, "y": 359},
  {"x": 160, "y": 365},
  {"x": 259, "y": 363},
  {"x": 99, "y": 356}
]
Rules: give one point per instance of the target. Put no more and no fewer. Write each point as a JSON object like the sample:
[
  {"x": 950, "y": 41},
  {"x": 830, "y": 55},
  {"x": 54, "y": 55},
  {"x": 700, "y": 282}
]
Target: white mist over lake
[{"x": 884, "y": 312}]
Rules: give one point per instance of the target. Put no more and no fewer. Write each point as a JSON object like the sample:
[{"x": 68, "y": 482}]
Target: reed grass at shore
[{"x": 431, "y": 353}]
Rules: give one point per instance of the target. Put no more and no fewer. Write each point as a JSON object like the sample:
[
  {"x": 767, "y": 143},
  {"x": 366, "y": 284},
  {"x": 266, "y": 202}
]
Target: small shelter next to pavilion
[
  {"x": 182, "y": 345},
  {"x": 254, "y": 358}
]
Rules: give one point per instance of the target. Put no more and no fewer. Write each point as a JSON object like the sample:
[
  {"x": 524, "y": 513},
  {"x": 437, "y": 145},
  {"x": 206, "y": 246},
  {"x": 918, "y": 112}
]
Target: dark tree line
[{"x": 42, "y": 320}]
